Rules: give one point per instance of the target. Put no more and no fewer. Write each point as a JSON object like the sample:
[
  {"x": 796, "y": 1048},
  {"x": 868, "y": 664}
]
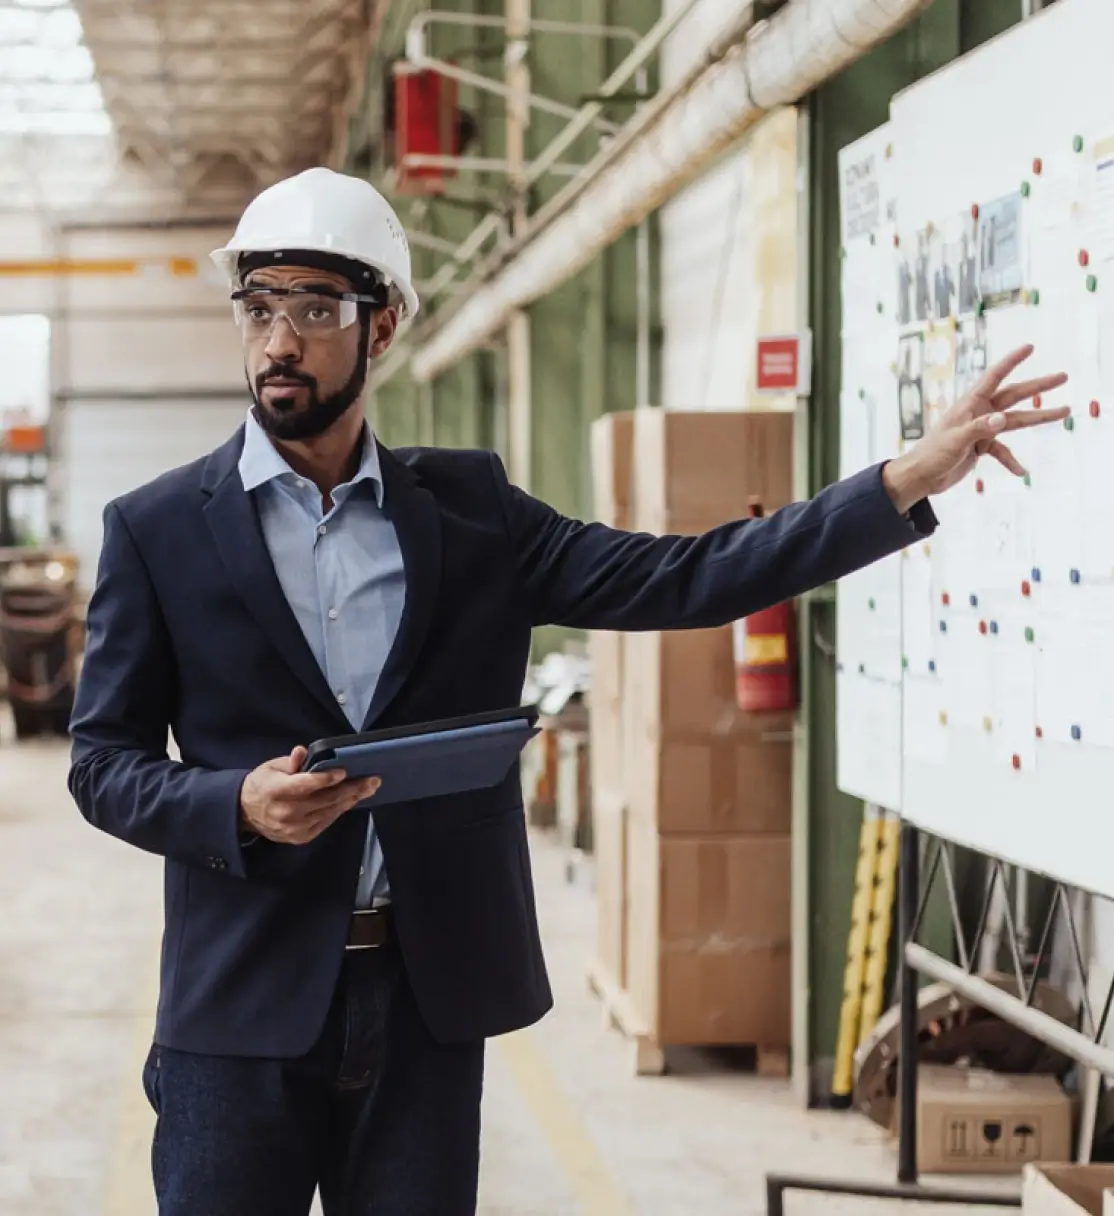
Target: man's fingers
[
  {"x": 1021, "y": 419},
  {"x": 1014, "y": 393},
  {"x": 993, "y": 376},
  {"x": 305, "y": 785},
  {"x": 1006, "y": 458},
  {"x": 295, "y": 807}
]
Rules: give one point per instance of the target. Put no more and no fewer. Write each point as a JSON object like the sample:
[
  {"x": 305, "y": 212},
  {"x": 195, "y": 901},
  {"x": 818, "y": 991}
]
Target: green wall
[
  {"x": 583, "y": 334},
  {"x": 847, "y": 107}
]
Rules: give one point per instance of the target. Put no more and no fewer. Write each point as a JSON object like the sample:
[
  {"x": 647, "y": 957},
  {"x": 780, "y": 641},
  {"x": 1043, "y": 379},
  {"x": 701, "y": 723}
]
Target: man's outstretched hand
[
  {"x": 970, "y": 429},
  {"x": 283, "y": 804}
]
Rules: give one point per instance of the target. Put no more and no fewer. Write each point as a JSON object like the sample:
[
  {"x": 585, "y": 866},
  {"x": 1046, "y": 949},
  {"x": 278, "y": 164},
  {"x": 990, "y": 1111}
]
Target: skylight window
[{"x": 47, "y": 85}]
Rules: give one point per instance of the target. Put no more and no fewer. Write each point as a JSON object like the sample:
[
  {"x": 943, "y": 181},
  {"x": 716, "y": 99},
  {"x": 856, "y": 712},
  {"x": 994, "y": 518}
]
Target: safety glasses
[{"x": 309, "y": 312}]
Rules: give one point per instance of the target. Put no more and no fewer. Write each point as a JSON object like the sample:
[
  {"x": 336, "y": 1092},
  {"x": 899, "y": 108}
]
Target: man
[{"x": 329, "y": 975}]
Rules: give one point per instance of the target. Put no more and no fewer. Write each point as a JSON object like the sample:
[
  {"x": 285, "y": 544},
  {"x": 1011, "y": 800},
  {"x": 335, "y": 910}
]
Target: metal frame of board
[{"x": 1084, "y": 1046}]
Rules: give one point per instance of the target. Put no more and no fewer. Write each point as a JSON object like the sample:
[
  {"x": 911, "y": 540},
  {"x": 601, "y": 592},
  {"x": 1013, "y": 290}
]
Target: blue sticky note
[
  {"x": 1074, "y": 576},
  {"x": 943, "y": 626},
  {"x": 931, "y": 664},
  {"x": 1076, "y": 733},
  {"x": 974, "y": 601},
  {"x": 1036, "y": 575},
  {"x": 993, "y": 626}
]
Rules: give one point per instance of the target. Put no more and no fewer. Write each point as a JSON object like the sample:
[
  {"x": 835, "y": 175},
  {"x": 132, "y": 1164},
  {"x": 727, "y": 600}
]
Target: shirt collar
[{"x": 261, "y": 461}]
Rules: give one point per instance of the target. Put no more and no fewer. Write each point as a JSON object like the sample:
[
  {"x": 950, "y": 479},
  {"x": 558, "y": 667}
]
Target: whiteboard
[
  {"x": 868, "y": 603},
  {"x": 1007, "y": 615}
]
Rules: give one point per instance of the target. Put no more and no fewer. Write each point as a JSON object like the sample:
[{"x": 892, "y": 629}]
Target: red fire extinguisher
[{"x": 766, "y": 655}]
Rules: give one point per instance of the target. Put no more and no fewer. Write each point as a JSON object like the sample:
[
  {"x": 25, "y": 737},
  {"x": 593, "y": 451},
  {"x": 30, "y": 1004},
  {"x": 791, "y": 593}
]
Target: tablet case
[{"x": 433, "y": 760}]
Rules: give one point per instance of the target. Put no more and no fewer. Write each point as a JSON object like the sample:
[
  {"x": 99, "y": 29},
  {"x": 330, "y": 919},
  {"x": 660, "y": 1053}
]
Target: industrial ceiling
[{"x": 183, "y": 100}]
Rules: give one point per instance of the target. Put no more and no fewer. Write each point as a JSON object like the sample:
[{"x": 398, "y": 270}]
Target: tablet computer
[{"x": 431, "y": 759}]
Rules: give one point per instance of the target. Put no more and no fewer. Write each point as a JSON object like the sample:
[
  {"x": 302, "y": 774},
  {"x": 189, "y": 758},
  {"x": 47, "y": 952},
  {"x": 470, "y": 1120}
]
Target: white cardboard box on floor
[{"x": 1068, "y": 1190}]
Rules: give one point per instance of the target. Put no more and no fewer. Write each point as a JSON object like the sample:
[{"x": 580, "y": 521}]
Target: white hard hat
[{"x": 324, "y": 212}]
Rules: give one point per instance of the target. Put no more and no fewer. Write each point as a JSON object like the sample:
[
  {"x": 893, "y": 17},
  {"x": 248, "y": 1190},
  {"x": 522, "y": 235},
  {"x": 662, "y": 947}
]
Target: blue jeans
[{"x": 380, "y": 1116}]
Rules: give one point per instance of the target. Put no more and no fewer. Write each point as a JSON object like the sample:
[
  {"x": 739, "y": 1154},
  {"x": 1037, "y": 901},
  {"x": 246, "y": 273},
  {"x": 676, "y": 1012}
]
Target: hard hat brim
[{"x": 227, "y": 259}]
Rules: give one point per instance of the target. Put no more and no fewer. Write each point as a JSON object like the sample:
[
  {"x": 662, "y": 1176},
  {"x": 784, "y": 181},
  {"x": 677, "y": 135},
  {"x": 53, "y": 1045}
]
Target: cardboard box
[
  {"x": 609, "y": 828},
  {"x": 696, "y": 763},
  {"x": 970, "y": 1121},
  {"x": 1068, "y": 1190},
  {"x": 696, "y": 469},
  {"x": 708, "y": 937},
  {"x": 611, "y": 441},
  {"x": 705, "y": 785},
  {"x": 682, "y": 681}
]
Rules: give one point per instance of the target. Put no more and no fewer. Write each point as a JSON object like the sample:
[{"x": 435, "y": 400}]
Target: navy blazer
[{"x": 188, "y": 631}]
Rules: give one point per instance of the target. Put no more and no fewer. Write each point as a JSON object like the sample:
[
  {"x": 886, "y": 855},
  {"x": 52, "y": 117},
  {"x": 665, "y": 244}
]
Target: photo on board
[
  {"x": 905, "y": 264},
  {"x": 922, "y": 298},
  {"x": 1001, "y": 269},
  {"x": 970, "y": 354},
  {"x": 942, "y": 276},
  {"x": 938, "y": 377},
  {"x": 910, "y": 385},
  {"x": 965, "y": 252}
]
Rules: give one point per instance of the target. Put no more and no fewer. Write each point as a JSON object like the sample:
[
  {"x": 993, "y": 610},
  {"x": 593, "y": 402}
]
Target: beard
[{"x": 283, "y": 419}]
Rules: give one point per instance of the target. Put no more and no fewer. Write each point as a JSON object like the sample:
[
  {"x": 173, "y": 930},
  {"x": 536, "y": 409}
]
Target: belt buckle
[{"x": 353, "y": 946}]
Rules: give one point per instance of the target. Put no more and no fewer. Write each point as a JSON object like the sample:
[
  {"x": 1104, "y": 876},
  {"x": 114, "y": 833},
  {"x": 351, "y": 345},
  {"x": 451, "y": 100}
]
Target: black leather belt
[{"x": 370, "y": 928}]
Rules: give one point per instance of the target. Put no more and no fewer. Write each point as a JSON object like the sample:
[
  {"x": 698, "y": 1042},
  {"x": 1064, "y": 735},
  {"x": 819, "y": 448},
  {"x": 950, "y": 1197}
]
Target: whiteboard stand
[{"x": 1085, "y": 1045}]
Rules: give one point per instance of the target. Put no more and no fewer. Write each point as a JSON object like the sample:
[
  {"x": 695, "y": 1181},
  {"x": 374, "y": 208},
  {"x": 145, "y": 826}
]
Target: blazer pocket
[{"x": 471, "y": 820}]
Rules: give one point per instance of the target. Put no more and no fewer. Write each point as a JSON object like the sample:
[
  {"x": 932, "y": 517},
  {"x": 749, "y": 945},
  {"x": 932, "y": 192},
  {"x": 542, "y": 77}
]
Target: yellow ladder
[{"x": 864, "y": 976}]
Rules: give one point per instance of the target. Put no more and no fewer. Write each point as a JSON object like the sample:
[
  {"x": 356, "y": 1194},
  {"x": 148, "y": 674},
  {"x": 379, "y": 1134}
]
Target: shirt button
[
  {"x": 342, "y": 699},
  {"x": 321, "y": 529},
  {"x": 333, "y": 614}
]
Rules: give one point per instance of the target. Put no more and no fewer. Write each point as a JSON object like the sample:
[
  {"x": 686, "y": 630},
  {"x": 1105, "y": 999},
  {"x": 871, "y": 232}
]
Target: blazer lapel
[
  {"x": 234, "y": 522},
  {"x": 413, "y": 511}
]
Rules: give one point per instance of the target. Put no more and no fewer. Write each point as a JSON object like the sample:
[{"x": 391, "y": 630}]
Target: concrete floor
[{"x": 568, "y": 1129}]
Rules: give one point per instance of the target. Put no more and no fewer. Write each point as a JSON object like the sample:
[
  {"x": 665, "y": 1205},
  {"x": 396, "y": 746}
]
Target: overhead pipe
[{"x": 802, "y": 45}]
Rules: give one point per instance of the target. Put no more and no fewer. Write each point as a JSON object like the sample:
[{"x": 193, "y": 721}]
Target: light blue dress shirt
[{"x": 341, "y": 572}]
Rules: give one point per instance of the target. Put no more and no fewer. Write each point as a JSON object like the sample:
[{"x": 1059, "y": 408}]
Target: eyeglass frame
[{"x": 379, "y": 299}]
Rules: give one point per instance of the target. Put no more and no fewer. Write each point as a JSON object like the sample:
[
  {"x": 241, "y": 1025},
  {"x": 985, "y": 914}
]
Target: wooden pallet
[{"x": 647, "y": 1054}]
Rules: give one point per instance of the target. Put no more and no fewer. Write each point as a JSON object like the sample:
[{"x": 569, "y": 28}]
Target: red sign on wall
[{"x": 784, "y": 363}]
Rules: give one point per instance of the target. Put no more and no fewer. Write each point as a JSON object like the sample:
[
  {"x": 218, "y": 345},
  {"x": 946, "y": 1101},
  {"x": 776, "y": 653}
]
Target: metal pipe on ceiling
[{"x": 803, "y": 44}]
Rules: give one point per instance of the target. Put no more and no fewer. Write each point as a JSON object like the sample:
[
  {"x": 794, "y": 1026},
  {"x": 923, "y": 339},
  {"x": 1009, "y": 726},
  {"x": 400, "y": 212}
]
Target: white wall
[
  {"x": 728, "y": 252},
  {"x": 146, "y": 370}
]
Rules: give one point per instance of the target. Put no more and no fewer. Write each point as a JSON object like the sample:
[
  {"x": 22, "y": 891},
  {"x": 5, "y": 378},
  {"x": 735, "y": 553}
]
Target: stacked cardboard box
[
  {"x": 696, "y": 896},
  {"x": 612, "y": 450}
]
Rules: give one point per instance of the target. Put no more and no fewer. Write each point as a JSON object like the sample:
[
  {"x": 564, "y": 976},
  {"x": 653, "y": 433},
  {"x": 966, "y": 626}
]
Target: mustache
[{"x": 277, "y": 371}]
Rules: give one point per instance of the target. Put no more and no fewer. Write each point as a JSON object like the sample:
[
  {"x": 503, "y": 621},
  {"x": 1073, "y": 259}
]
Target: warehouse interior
[{"x": 610, "y": 206}]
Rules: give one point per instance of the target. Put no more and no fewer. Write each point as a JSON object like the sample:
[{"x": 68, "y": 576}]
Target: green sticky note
[
  {"x": 871, "y": 603},
  {"x": 1028, "y": 634},
  {"x": 872, "y": 238},
  {"x": 879, "y": 305},
  {"x": 1028, "y": 480},
  {"x": 1035, "y": 296},
  {"x": 1077, "y": 143},
  {"x": 1092, "y": 283},
  {"x": 1025, "y": 189},
  {"x": 904, "y": 662},
  {"x": 1069, "y": 424}
]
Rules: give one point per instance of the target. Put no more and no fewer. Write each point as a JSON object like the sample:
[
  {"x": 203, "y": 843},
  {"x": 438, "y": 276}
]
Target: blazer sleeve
[
  {"x": 121, "y": 776},
  {"x": 589, "y": 576}
]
